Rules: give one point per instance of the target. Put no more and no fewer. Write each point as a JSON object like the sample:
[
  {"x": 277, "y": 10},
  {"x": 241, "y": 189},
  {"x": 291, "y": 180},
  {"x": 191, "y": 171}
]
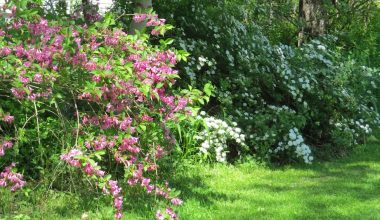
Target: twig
[
  {"x": 38, "y": 123},
  {"x": 78, "y": 121}
]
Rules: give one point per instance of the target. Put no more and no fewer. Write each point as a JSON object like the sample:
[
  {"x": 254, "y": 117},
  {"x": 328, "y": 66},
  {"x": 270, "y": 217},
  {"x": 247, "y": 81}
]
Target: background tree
[
  {"x": 141, "y": 6},
  {"x": 313, "y": 19}
]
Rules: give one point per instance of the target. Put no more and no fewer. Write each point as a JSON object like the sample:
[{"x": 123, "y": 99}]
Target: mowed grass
[{"x": 346, "y": 188}]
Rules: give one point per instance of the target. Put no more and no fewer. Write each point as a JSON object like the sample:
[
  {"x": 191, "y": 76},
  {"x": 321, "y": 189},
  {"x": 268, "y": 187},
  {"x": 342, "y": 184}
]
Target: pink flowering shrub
[
  {"x": 118, "y": 87},
  {"x": 8, "y": 178}
]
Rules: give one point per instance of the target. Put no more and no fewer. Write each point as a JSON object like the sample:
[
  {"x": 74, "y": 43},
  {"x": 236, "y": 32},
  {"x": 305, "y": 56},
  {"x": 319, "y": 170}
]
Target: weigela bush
[
  {"x": 118, "y": 87},
  {"x": 8, "y": 178}
]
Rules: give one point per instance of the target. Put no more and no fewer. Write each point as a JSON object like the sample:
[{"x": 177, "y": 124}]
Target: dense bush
[
  {"x": 290, "y": 102},
  {"x": 93, "y": 97}
]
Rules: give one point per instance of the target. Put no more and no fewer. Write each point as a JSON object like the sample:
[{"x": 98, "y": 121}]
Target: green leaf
[
  {"x": 142, "y": 127},
  {"x": 145, "y": 89},
  {"x": 208, "y": 89}
]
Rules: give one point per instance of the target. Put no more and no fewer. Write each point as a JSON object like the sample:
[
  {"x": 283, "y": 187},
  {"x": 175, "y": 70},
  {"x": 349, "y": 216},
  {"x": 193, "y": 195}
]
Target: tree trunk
[
  {"x": 313, "y": 19},
  {"x": 85, "y": 9},
  {"x": 142, "y": 6}
]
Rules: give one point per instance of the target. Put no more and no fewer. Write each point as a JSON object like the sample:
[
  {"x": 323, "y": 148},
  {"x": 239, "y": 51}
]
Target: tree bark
[
  {"x": 142, "y": 6},
  {"x": 85, "y": 9},
  {"x": 312, "y": 15}
]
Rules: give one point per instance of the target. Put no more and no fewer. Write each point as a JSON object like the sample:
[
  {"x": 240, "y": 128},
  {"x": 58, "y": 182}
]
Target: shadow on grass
[{"x": 194, "y": 187}]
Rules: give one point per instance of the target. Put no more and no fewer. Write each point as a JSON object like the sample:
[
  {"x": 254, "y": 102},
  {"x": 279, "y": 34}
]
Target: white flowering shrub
[
  {"x": 294, "y": 142},
  {"x": 217, "y": 136},
  {"x": 270, "y": 89}
]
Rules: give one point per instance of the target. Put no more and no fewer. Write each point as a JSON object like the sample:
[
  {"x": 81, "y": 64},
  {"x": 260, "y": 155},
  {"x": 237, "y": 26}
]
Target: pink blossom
[
  {"x": 27, "y": 64},
  {"x": 152, "y": 22},
  {"x": 145, "y": 182},
  {"x": 23, "y": 79},
  {"x": 14, "y": 10},
  {"x": 13, "y": 180},
  {"x": 149, "y": 188},
  {"x": 132, "y": 181},
  {"x": 7, "y": 118},
  {"x": 70, "y": 157},
  {"x": 37, "y": 78},
  {"x": 5, "y": 51},
  {"x": 138, "y": 18},
  {"x": 90, "y": 66},
  {"x": 141, "y": 66},
  {"x": 111, "y": 41},
  {"x": 58, "y": 41},
  {"x": 147, "y": 118},
  {"x": 172, "y": 214},
  {"x": 96, "y": 78},
  {"x": 78, "y": 41},
  {"x": 5, "y": 145},
  {"x": 125, "y": 124},
  {"x": 16, "y": 25},
  {"x": 159, "y": 152},
  {"x": 18, "y": 93},
  {"x": 88, "y": 169},
  {"x": 100, "y": 173},
  {"x": 115, "y": 191},
  {"x": 155, "y": 32},
  {"x": 159, "y": 215},
  {"x": 176, "y": 201},
  {"x": 118, "y": 215}
]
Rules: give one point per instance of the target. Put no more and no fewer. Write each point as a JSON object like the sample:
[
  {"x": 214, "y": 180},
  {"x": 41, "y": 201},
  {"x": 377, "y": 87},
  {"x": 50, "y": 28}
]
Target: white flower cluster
[
  {"x": 363, "y": 126},
  {"x": 295, "y": 82},
  {"x": 264, "y": 137},
  {"x": 357, "y": 127},
  {"x": 214, "y": 138},
  {"x": 279, "y": 109},
  {"x": 296, "y": 141},
  {"x": 205, "y": 61}
]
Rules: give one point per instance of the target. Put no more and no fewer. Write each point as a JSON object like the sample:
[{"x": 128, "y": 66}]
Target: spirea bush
[
  {"x": 111, "y": 91},
  {"x": 270, "y": 90}
]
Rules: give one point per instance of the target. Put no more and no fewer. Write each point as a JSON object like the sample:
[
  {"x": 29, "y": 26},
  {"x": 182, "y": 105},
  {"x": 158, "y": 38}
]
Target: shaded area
[{"x": 347, "y": 188}]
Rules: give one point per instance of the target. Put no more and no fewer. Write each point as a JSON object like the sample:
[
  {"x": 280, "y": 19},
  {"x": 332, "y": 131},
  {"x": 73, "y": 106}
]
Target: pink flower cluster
[
  {"x": 129, "y": 87},
  {"x": 70, "y": 157},
  {"x": 115, "y": 191},
  {"x": 101, "y": 143},
  {"x": 152, "y": 21},
  {"x": 129, "y": 144},
  {"x": 138, "y": 18},
  {"x": 88, "y": 168},
  {"x": 93, "y": 170},
  {"x": 107, "y": 122},
  {"x": 33, "y": 57},
  {"x": 8, "y": 178},
  {"x": 5, "y": 145},
  {"x": 168, "y": 211},
  {"x": 7, "y": 118}
]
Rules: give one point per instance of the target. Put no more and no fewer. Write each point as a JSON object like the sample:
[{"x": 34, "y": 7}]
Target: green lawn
[{"x": 343, "y": 189}]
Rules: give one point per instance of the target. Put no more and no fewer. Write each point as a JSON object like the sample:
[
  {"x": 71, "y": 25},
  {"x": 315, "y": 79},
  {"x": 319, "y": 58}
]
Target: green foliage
[
  {"x": 339, "y": 189},
  {"x": 270, "y": 90},
  {"x": 86, "y": 94}
]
